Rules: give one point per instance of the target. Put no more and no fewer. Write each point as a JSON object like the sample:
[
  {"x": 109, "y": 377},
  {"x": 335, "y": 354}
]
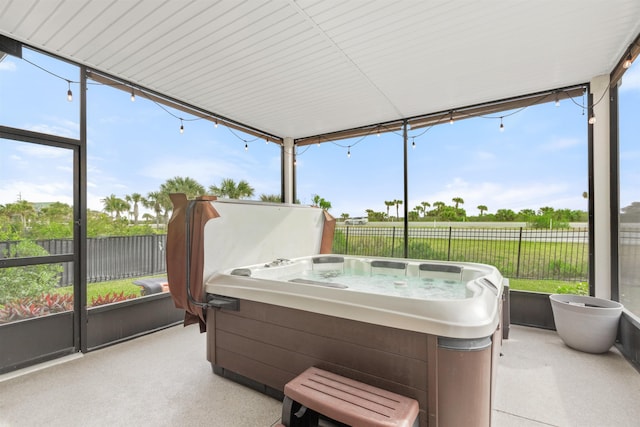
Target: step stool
[{"x": 316, "y": 393}]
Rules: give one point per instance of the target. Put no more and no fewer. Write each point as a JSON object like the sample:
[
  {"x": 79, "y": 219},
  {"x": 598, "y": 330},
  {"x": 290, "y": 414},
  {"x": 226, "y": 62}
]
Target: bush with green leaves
[{"x": 30, "y": 280}]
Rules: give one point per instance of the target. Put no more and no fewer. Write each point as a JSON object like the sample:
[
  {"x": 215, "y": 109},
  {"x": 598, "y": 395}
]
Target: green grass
[
  {"x": 549, "y": 286},
  {"x": 565, "y": 261},
  {"x": 113, "y": 286}
]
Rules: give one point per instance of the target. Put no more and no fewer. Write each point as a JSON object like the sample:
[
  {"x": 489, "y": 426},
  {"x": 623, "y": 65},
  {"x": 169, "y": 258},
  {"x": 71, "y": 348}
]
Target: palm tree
[
  {"x": 397, "y": 203},
  {"x": 457, "y": 201},
  {"x": 229, "y": 188},
  {"x": 418, "y": 209},
  {"x": 189, "y": 186},
  {"x": 344, "y": 216},
  {"x": 482, "y": 208},
  {"x": 324, "y": 204},
  {"x": 388, "y": 204},
  {"x": 321, "y": 202},
  {"x": 110, "y": 204},
  {"x": 425, "y": 205},
  {"x": 153, "y": 201},
  {"x": 135, "y": 198},
  {"x": 273, "y": 198},
  {"x": 438, "y": 206}
]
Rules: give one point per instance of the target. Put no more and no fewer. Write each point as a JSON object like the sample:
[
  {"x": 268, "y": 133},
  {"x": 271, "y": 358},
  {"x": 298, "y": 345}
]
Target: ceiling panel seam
[{"x": 344, "y": 55}]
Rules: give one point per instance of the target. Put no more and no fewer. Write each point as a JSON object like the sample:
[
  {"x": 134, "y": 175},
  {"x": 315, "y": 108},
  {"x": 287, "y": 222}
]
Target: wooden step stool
[{"x": 344, "y": 400}]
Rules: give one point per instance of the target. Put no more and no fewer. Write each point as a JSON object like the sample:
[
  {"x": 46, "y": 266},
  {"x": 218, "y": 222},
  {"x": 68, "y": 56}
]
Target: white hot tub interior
[{"x": 458, "y": 300}]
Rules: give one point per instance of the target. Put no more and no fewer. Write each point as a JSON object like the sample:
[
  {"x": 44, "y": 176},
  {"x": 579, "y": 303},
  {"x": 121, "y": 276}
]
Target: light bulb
[
  {"x": 413, "y": 144},
  {"x": 557, "y": 100},
  {"x": 349, "y": 152},
  {"x": 215, "y": 124},
  {"x": 501, "y": 125},
  {"x": 266, "y": 141},
  {"x": 451, "y": 118},
  {"x": 133, "y": 96},
  {"x": 592, "y": 119},
  {"x": 246, "y": 147},
  {"x": 627, "y": 62},
  {"x": 181, "y": 127},
  {"x": 69, "y": 93}
]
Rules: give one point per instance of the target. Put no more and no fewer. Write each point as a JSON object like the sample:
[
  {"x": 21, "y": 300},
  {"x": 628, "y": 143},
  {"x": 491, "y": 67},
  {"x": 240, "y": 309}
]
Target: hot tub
[
  {"x": 424, "y": 329},
  {"x": 454, "y": 300},
  {"x": 260, "y": 279}
]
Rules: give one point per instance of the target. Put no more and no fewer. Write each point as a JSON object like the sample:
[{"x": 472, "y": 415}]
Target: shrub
[
  {"x": 27, "y": 281},
  {"x": 580, "y": 288},
  {"x": 111, "y": 298},
  {"x": 41, "y": 305}
]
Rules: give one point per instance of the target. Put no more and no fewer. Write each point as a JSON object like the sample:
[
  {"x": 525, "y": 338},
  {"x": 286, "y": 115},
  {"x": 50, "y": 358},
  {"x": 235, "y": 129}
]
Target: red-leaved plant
[
  {"x": 41, "y": 305},
  {"x": 110, "y": 298}
]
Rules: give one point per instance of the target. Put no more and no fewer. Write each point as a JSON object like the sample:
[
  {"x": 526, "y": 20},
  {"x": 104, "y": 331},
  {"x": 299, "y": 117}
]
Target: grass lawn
[
  {"x": 113, "y": 286},
  {"x": 549, "y": 286}
]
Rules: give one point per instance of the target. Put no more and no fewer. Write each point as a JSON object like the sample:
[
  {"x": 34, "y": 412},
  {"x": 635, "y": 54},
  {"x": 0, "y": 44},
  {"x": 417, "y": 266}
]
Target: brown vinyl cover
[
  {"x": 328, "y": 230},
  {"x": 177, "y": 255}
]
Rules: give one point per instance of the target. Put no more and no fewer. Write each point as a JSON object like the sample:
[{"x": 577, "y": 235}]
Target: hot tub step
[{"x": 344, "y": 400}]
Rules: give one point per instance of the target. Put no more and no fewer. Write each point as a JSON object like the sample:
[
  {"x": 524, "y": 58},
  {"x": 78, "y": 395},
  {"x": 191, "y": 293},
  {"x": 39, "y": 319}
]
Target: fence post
[
  {"x": 518, "y": 258},
  {"x": 393, "y": 242},
  {"x": 346, "y": 242},
  {"x": 449, "y": 248}
]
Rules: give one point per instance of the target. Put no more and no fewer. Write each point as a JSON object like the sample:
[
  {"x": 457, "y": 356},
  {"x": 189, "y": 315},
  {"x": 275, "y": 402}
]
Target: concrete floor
[{"x": 163, "y": 379}]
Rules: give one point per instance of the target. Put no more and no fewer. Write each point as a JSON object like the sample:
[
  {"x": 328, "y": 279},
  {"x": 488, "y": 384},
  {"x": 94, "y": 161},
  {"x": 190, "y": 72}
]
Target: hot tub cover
[{"x": 278, "y": 221}]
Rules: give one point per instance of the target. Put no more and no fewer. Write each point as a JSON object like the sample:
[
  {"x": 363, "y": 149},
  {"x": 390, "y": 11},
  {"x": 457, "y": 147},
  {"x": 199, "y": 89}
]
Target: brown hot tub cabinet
[
  {"x": 265, "y": 346},
  {"x": 277, "y": 321}
]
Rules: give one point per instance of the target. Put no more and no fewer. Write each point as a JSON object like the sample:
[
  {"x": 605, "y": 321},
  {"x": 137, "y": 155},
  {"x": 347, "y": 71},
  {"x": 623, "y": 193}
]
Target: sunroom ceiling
[{"x": 307, "y": 67}]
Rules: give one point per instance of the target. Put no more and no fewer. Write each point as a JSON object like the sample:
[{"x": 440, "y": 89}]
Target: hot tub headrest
[
  {"x": 398, "y": 265},
  {"x": 443, "y": 268},
  {"x": 328, "y": 259}
]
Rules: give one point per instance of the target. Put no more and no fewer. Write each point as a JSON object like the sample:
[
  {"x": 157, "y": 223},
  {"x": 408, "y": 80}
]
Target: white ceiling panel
[{"x": 301, "y": 68}]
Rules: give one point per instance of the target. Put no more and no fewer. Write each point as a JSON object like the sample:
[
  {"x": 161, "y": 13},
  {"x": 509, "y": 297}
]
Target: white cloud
[
  {"x": 558, "y": 144},
  {"x": 36, "y": 191},
  {"x": 43, "y": 151},
  {"x": 7, "y": 65},
  {"x": 631, "y": 80},
  {"x": 505, "y": 195}
]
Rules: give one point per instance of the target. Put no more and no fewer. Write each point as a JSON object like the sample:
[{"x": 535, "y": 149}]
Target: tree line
[
  {"x": 119, "y": 215},
  {"x": 440, "y": 211}
]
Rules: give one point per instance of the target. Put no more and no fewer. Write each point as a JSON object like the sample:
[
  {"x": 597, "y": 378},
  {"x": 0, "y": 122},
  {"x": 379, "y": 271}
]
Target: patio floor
[{"x": 163, "y": 379}]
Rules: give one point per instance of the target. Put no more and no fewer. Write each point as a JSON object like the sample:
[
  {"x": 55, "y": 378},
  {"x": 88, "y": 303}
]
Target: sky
[{"x": 540, "y": 159}]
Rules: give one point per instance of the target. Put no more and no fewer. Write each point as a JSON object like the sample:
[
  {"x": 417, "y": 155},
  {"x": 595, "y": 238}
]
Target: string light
[
  {"x": 501, "y": 125},
  {"x": 69, "y": 93},
  {"x": 451, "y": 117},
  {"x": 215, "y": 124},
  {"x": 627, "y": 62},
  {"x": 557, "y": 100},
  {"x": 413, "y": 143},
  {"x": 592, "y": 118},
  {"x": 181, "y": 127},
  {"x": 349, "y": 152},
  {"x": 378, "y": 132},
  {"x": 133, "y": 96},
  {"x": 246, "y": 147}
]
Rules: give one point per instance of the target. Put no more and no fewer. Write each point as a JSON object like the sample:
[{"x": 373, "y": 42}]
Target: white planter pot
[{"x": 585, "y": 323}]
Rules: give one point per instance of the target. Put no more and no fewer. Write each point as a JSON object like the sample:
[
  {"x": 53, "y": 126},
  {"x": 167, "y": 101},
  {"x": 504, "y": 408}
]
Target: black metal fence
[
  {"x": 517, "y": 253},
  {"x": 108, "y": 258}
]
